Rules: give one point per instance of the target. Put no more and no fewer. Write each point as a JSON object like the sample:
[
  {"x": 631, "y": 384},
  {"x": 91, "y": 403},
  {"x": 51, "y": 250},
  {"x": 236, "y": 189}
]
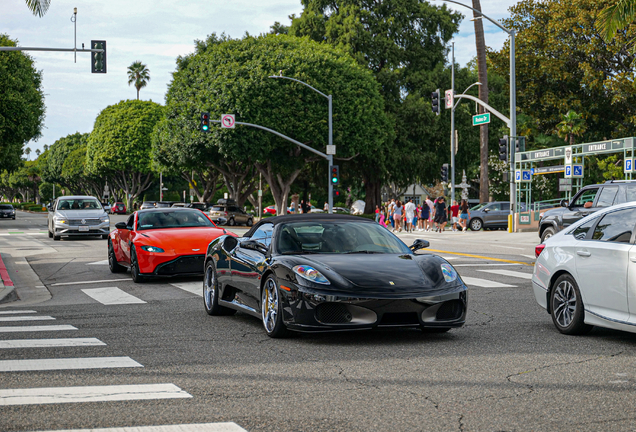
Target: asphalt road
[{"x": 508, "y": 369}]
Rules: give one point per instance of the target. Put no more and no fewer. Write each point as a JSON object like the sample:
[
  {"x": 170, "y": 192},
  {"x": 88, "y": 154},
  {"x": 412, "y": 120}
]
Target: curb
[{"x": 7, "y": 290}]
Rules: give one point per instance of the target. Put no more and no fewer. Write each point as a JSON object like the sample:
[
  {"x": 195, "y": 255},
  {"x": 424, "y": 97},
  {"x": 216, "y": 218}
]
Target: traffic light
[
  {"x": 520, "y": 144},
  {"x": 335, "y": 175},
  {"x": 435, "y": 103},
  {"x": 444, "y": 173},
  {"x": 98, "y": 59},
  {"x": 205, "y": 122},
  {"x": 503, "y": 148},
  {"x": 336, "y": 193}
]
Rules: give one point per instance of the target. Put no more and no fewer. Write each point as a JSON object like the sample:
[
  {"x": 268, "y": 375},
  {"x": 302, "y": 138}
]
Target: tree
[
  {"x": 58, "y": 166},
  {"x": 616, "y": 17},
  {"x": 139, "y": 75},
  {"x": 571, "y": 125},
  {"x": 563, "y": 64},
  {"x": 119, "y": 145},
  {"x": 38, "y": 7},
  {"x": 231, "y": 76},
  {"x": 27, "y": 151},
  {"x": 21, "y": 104}
]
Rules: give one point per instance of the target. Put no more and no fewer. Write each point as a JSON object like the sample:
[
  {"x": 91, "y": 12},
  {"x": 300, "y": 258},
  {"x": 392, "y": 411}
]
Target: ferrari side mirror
[{"x": 419, "y": 244}]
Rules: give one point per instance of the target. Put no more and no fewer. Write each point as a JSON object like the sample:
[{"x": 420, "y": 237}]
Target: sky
[{"x": 155, "y": 32}]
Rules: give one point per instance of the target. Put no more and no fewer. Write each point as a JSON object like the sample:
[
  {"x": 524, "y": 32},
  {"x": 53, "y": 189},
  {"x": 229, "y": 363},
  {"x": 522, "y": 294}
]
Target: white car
[
  {"x": 77, "y": 215},
  {"x": 585, "y": 275}
]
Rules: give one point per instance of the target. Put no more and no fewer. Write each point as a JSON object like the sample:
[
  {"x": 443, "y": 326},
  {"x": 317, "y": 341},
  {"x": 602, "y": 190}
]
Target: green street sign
[{"x": 481, "y": 119}]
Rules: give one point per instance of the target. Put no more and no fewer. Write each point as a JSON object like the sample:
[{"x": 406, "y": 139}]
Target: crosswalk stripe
[
  {"x": 47, "y": 343},
  {"x": 12, "y": 329},
  {"x": 103, "y": 262},
  {"x": 192, "y": 287},
  {"x": 9, "y": 312},
  {"x": 111, "y": 296},
  {"x": 200, "y": 427},
  {"x": 67, "y": 364},
  {"x": 485, "y": 283},
  {"x": 49, "y": 395},
  {"x": 26, "y": 318},
  {"x": 510, "y": 273}
]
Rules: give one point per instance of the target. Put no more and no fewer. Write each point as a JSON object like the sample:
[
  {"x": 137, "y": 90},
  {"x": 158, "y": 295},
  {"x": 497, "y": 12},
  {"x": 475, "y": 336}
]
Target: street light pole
[
  {"x": 329, "y": 156},
  {"x": 513, "y": 106},
  {"x": 452, "y": 140}
]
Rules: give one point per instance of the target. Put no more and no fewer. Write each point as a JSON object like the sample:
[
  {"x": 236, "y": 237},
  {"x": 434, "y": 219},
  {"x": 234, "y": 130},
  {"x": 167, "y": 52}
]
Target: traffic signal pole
[{"x": 452, "y": 140}]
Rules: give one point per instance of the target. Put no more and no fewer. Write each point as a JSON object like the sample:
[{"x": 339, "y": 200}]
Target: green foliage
[
  {"x": 139, "y": 75},
  {"x": 121, "y": 138},
  {"x": 21, "y": 104},
  {"x": 609, "y": 168}
]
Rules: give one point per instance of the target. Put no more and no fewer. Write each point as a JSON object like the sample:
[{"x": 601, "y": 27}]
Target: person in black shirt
[{"x": 440, "y": 214}]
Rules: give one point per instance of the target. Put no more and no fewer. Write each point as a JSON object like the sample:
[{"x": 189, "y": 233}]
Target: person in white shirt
[
  {"x": 409, "y": 210},
  {"x": 431, "y": 213}
]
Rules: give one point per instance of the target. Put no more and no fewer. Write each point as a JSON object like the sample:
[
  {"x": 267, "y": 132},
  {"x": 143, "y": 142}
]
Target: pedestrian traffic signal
[
  {"x": 335, "y": 175},
  {"x": 444, "y": 173},
  {"x": 205, "y": 122},
  {"x": 503, "y": 148},
  {"x": 435, "y": 103},
  {"x": 98, "y": 59}
]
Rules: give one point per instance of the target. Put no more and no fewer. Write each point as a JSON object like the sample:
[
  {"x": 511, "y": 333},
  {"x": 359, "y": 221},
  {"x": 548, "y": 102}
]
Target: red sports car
[{"x": 162, "y": 242}]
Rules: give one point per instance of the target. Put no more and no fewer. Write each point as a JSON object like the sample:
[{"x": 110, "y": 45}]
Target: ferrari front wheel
[
  {"x": 271, "y": 310},
  {"x": 211, "y": 292},
  {"x": 134, "y": 267}
]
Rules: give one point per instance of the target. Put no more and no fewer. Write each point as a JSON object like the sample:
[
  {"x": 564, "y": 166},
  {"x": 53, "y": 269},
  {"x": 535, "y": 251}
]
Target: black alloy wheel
[
  {"x": 271, "y": 310},
  {"x": 568, "y": 313},
  {"x": 231, "y": 222},
  {"x": 250, "y": 222},
  {"x": 50, "y": 233},
  {"x": 547, "y": 233},
  {"x": 114, "y": 266},
  {"x": 211, "y": 292},
  {"x": 476, "y": 224},
  {"x": 134, "y": 266}
]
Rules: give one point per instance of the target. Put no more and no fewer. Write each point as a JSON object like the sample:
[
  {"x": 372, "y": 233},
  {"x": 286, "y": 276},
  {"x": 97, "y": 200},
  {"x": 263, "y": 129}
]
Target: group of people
[{"x": 432, "y": 215}]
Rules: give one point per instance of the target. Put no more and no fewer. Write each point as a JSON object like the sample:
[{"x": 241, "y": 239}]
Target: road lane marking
[
  {"x": 485, "y": 283},
  {"x": 48, "y": 343},
  {"x": 13, "y": 329},
  {"x": 111, "y": 296},
  {"x": 480, "y": 257},
  {"x": 510, "y": 273},
  {"x": 197, "y": 427},
  {"x": 89, "y": 282},
  {"x": 50, "y": 395},
  {"x": 17, "y": 312},
  {"x": 67, "y": 364},
  {"x": 192, "y": 287},
  {"x": 26, "y": 318},
  {"x": 532, "y": 257},
  {"x": 482, "y": 265}
]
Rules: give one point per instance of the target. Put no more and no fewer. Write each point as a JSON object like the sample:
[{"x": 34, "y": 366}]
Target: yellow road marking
[{"x": 481, "y": 257}]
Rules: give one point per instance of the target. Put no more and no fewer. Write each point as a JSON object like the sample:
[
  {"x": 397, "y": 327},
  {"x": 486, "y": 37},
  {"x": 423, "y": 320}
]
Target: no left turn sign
[{"x": 227, "y": 121}]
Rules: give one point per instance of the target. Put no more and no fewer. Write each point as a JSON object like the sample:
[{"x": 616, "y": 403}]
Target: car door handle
[{"x": 583, "y": 253}]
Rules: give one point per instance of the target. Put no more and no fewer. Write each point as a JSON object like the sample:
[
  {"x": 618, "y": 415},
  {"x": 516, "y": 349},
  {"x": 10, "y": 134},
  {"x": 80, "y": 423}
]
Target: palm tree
[
  {"x": 616, "y": 17},
  {"x": 38, "y": 7},
  {"x": 139, "y": 75},
  {"x": 572, "y": 124},
  {"x": 27, "y": 151},
  {"x": 37, "y": 152}
]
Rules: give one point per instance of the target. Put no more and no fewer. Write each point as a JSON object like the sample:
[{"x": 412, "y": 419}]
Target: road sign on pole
[
  {"x": 448, "y": 100},
  {"x": 228, "y": 121},
  {"x": 481, "y": 119}
]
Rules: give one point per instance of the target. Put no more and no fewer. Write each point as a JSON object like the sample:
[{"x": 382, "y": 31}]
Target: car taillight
[
  {"x": 225, "y": 213},
  {"x": 538, "y": 249}
]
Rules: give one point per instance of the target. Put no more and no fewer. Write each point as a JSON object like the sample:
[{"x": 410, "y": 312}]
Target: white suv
[{"x": 77, "y": 215}]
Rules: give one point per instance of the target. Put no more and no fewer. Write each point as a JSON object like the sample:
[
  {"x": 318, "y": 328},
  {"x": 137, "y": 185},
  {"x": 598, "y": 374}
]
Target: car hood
[
  {"x": 193, "y": 240},
  {"x": 554, "y": 212},
  {"x": 382, "y": 273},
  {"x": 81, "y": 214}
]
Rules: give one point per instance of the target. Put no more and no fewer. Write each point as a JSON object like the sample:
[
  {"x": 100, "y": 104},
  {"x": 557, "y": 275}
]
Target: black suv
[{"x": 587, "y": 201}]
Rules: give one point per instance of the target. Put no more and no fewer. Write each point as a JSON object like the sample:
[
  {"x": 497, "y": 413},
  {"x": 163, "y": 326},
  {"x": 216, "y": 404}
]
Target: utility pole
[{"x": 452, "y": 149}]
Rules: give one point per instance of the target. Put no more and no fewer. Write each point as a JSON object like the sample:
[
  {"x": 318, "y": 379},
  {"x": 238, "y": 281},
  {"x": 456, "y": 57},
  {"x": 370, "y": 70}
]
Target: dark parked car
[
  {"x": 587, "y": 201},
  {"x": 493, "y": 215},
  {"x": 320, "y": 272},
  {"x": 7, "y": 211},
  {"x": 233, "y": 213}
]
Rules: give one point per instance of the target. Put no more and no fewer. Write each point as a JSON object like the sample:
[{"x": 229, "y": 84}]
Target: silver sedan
[{"x": 77, "y": 215}]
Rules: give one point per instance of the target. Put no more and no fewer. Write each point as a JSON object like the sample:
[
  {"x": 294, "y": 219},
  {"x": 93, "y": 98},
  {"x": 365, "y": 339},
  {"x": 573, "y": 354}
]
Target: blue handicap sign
[
  {"x": 526, "y": 175},
  {"x": 578, "y": 170},
  {"x": 628, "y": 164}
]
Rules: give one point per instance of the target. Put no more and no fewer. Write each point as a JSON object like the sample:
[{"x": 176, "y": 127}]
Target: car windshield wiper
[{"x": 364, "y": 252}]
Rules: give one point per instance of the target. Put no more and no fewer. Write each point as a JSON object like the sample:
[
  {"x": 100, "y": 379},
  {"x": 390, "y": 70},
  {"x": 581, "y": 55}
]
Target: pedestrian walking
[
  {"x": 409, "y": 214},
  {"x": 391, "y": 213},
  {"x": 397, "y": 216},
  {"x": 440, "y": 214},
  {"x": 425, "y": 216},
  {"x": 431, "y": 213},
  {"x": 454, "y": 215},
  {"x": 464, "y": 215},
  {"x": 377, "y": 214}
]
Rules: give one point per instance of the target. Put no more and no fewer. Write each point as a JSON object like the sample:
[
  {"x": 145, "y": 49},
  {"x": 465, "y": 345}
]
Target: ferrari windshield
[
  {"x": 337, "y": 237},
  {"x": 172, "y": 219},
  {"x": 79, "y": 204}
]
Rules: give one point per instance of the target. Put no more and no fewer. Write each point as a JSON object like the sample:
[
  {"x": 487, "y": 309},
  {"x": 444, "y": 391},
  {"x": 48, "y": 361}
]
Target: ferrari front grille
[
  {"x": 333, "y": 313},
  {"x": 450, "y": 310}
]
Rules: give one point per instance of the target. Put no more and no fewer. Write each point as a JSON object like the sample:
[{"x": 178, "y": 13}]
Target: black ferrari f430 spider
[{"x": 322, "y": 272}]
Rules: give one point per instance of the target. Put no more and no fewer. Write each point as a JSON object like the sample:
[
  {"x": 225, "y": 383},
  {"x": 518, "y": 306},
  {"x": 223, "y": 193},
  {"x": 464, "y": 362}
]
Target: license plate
[{"x": 83, "y": 228}]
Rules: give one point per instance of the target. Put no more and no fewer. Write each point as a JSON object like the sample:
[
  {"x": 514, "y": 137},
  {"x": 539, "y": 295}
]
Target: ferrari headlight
[
  {"x": 311, "y": 274},
  {"x": 449, "y": 272},
  {"x": 152, "y": 249}
]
